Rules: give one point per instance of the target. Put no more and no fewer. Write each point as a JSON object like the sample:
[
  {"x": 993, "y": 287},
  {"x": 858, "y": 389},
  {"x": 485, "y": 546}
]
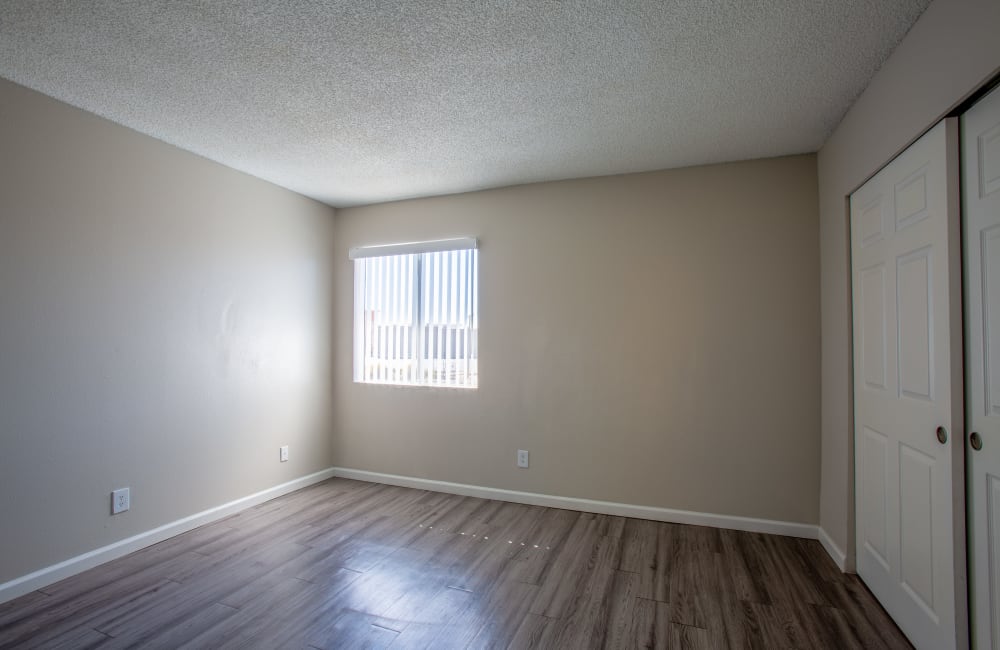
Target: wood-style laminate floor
[{"x": 348, "y": 564}]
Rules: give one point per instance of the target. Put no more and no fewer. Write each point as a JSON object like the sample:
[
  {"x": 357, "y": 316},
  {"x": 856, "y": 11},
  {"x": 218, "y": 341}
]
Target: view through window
[{"x": 416, "y": 316}]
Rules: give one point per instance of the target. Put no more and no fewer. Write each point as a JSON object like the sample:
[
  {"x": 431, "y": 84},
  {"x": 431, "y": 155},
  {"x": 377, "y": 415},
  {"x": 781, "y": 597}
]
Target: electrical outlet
[
  {"x": 119, "y": 501},
  {"x": 522, "y": 458},
  {"x": 283, "y": 453}
]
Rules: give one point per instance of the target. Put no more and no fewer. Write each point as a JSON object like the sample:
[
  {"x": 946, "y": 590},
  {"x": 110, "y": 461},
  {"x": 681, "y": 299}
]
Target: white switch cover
[
  {"x": 119, "y": 501},
  {"x": 522, "y": 458},
  {"x": 283, "y": 453}
]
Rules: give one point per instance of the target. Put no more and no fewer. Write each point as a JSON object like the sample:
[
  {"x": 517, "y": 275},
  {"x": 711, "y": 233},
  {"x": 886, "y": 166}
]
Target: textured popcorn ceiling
[{"x": 360, "y": 102}]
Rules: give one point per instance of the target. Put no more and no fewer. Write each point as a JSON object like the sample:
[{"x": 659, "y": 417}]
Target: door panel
[
  {"x": 916, "y": 503},
  {"x": 990, "y": 239},
  {"x": 981, "y": 192},
  {"x": 988, "y": 148},
  {"x": 991, "y": 621},
  {"x": 873, "y": 335},
  {"x": 909, "y": 488},
  {"x": 911, "y": 199},
  {"x": 913, "y": 295},
  {"x": 876, "y": 480}
]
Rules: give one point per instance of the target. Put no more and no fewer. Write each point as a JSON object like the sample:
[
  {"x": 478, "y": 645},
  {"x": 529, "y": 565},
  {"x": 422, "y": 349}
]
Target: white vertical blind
[{"x": 416, "y": 320}]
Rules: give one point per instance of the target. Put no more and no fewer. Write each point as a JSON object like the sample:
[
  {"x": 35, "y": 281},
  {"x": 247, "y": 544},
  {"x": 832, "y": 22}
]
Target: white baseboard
[
  {"x": 839, "y": 557},
  {"x": 48, "y": 575},
  {"x": 791, "y": 529}
]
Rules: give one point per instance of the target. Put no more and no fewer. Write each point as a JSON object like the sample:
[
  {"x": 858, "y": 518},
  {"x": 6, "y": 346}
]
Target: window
[{"x": 415, "y": 313}]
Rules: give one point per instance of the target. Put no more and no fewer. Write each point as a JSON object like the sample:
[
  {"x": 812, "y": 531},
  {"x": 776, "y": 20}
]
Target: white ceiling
[{"x": 361, "y": 102}]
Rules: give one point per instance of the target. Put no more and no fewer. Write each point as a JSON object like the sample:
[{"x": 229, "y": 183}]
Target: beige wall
[
  {"x": 164, "y": 325},
  {"x": 948, "y": 54},
  {"x": 651, "y": 339}
]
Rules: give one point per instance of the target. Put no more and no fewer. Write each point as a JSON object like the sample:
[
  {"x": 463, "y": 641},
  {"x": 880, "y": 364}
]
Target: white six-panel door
[
  {"x": 981, "y": 211},
  {"x": 909, "y": 478}
]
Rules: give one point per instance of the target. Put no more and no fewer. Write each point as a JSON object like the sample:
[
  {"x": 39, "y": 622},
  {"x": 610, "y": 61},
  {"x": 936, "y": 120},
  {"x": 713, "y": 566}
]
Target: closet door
[
  {"x": 908, "y": 408},
  {"x": 981, "y": 207}
]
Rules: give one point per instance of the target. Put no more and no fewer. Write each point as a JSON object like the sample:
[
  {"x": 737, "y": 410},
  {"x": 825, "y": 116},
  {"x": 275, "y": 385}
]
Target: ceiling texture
[{"x": 362, "y": 102}]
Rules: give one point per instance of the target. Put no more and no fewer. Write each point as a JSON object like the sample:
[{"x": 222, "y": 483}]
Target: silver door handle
[
  {"x": 942, "y": 435},
  {"x": 976, "y": 440}
]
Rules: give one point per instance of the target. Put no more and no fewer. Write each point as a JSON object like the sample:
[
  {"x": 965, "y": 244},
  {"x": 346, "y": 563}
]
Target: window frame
[{"x": 420, "y": 341}]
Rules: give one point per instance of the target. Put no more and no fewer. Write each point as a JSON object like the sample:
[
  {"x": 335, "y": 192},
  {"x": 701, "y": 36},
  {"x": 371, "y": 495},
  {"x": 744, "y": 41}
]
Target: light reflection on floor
[{"x": 398, "y": 585}]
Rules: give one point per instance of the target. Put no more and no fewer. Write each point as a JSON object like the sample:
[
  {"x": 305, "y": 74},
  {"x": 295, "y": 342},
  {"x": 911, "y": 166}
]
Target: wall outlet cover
[
  {"x": 283, "y": 453},
  {"x": 120, "y": 501},
  {"x": 522, "y": 458}
]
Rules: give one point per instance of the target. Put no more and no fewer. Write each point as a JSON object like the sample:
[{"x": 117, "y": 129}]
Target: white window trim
[{"x": 381, "y": 250}]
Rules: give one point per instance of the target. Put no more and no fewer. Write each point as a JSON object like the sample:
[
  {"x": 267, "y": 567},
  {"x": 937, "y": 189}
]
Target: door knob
[
  {"x": 976, "y": 440},
  {"x": 942, "y": 435}
]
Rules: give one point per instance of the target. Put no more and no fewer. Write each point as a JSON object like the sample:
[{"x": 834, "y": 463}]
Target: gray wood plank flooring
[{"x": 349, "y": 564}]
